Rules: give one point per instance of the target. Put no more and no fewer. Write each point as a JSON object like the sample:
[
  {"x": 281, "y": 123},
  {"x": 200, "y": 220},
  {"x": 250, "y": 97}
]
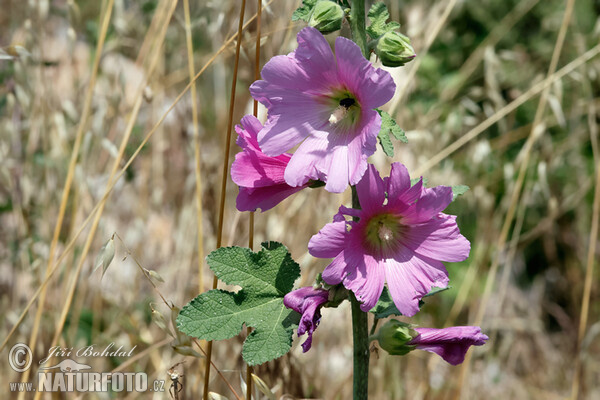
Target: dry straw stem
[
  {"x": 224, "y": 176},
  {"x": 535, "y": 133},
  {"x": 115, "y": 167},
  {"x": 71, "y": 171},
  {"x": 415, "y": 66},
  {"x": 589, "y": 270},
  {"x": 197, "y": 162},
  {"x": 147, "y": 138}
]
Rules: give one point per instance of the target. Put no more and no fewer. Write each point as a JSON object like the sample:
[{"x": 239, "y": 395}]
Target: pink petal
[
  {"x": 264, "y": 198},
  {"x": 399, "y": 189},
  {"x": 330, "y": 240},
  {"x": 432, "y": 202},
  {"x": 337, "y": 170},
  {"x": 410, "y": 277},
  {"x": 303, "y": 164},
  {"x": 366, "y": 279},
  {"x": 438, "y": 239},
  {"x": 449, "y": 343},
  {"x": 248, "y": 132},
  {"x": 371, "y": 192},
  {"x": 289, "y": 122},
  {"x": 372, "y": 87},
  {"x": 335, "y": 272},
  {"x": 253, "y": 170}
]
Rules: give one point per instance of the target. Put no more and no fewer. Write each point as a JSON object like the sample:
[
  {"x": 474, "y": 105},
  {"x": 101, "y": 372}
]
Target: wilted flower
[
  {"x": 259, "y": 177},
  {"x": 401, "y": 239},
  {"x": 326, "y": 104},
  {"x": 308, "y": 302}
]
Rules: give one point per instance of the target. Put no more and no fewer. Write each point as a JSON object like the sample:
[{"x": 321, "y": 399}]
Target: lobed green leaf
[
  {"x": 265, "y": 278},
  {"x": 389, "y": 127}
]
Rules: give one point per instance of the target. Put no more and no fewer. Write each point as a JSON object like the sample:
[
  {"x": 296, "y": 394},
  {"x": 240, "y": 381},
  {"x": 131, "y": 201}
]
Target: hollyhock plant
[
  {"x": 402, "y": 239},
  {"x": 399, "y": 338},
  {"x": 259, "y": 177},
  {"x": 308, "y": 302},
  {"x": 326, "y": 104}
]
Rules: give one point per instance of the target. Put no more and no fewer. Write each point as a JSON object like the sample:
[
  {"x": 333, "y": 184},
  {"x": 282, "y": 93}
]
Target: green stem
[
  {"x": 360, "y": 335},
  {"x": 357, "y": 25}
]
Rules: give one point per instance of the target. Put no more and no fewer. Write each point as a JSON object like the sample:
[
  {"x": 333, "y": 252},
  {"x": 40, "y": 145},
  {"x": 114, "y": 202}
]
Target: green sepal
[{"x": 304, "y": 11}]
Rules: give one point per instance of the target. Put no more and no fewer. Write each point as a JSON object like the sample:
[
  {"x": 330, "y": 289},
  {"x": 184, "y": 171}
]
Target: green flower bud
[
  {"x": 394, "y": 336},
  {"x": 327, "y": 17},
  {"x": 394, "y": 49}
]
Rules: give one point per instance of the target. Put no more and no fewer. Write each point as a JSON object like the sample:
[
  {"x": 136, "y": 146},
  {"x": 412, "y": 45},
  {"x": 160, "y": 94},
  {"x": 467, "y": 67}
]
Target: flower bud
[
  {"x": 327, "y": 17},
  {"x": 394, "y": 49},
  {"x": 394, "y": 336}
]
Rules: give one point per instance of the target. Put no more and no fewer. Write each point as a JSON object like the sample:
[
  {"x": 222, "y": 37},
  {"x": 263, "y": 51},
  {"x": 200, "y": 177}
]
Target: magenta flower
[
  {"x": 326, "y": 104},
  {"x": 449, "y": 343},
  {"x": 401, "y": 239},
  {"x": 308, "y": 302},
  {"x": 259, "y": 177}
]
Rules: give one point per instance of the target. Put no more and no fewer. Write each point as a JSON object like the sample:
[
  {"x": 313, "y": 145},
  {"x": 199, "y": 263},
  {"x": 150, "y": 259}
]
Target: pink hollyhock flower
[
  {"x": 308, "y": 302},
  {"x": 402, "y": 239},
  {"x": 259, "y": 177},
  {"x": 399, "y": 338},
  {"x": 449, "y": 343},
  {"x": 326, "y": 103}
]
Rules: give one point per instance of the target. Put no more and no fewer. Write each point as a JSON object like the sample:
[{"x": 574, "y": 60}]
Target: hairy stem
[
  {"x": 357, "y": 25},
  {"x": 360, "y": 335}
]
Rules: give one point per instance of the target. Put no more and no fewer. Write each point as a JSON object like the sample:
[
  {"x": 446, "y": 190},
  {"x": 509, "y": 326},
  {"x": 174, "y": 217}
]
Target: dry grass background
[{"x": 474, "y": 60}]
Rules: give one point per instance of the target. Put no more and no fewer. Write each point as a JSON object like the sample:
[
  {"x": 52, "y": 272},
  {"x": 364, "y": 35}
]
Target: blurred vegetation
[{"x": 534, "y": 307}]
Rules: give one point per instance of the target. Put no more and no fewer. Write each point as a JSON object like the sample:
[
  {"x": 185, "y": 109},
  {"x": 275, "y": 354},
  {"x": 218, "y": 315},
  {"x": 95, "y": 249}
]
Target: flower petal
[
  {"x": 410, "y": 277},
  {"x": 399, "y": 188},
  {"x": 330, "y": 240},
  {"x": 449, "y": 343},
  {"x": 335, "y": 272},
  {"x": 303, "y": 164},
  {"x": 370, "y": 190},
  {"x": 264, "y": 198},
  {"x": 290, "y": 121},
  {"x": 438, "y": 239},
  {"x": 372, "y": 87},
  {"x": 431, "y": 202}
]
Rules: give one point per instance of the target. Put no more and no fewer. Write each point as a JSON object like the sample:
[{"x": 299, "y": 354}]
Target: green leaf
[
  {"x": 459, "y": 190},
  {"x": 389, "y": 126},
  {"x": 386, "y": 143},
  {"x": 415, "y": 180},
  {"x": 378, "y": 15},
  {"x": 265, "y": 277},
  {"x": 385, "y": 307},
  {"x": 304, "y": 11}
]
